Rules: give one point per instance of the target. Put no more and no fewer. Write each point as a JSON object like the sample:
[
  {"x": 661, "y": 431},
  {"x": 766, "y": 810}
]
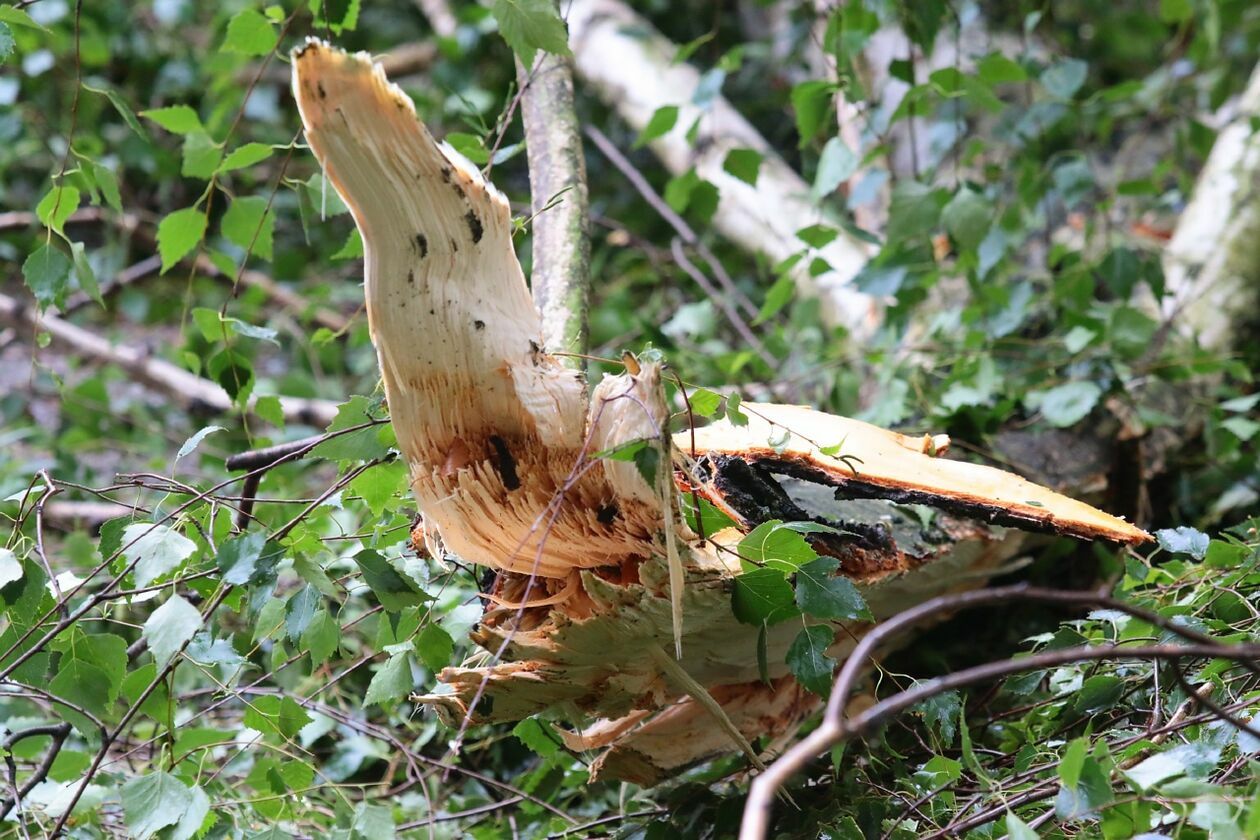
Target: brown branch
[
  {"x": 836, "y": 727},
  {"x": 59, "y": 733},
  {"x": 191, "y": 390}
]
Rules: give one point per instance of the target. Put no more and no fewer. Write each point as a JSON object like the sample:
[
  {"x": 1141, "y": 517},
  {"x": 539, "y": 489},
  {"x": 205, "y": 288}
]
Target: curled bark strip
[{"x": 515, "y": 468}]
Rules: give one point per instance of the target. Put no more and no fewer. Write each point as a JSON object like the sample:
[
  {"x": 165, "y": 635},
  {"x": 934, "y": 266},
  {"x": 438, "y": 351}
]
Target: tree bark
[
  {"x": 560, "y": 279},
  {"x": 1212, "y": 263}
]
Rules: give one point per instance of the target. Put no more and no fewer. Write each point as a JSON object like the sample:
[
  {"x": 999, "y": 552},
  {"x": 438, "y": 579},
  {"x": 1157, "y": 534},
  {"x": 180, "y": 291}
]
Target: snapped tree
[{"x": 635, "y": 593}]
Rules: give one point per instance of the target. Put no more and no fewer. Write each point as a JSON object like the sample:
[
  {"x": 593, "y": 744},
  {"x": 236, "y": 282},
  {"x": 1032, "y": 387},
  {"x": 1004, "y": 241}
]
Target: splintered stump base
[{"x": 608, "y": 611}]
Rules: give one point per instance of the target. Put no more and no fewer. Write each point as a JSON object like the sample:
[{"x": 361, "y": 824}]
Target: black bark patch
[
  {"x": 474, "y": 226},
  {"x": 480, "y": 325},
  {"x": 446, "y": 174},
  {"x": 505, "y": 463},
  {"x": 319, "y": 86},
  {"x": 606, "y": 514},
  {"x": 422, "y": 245},
  {"x": 411, "y": 277}
]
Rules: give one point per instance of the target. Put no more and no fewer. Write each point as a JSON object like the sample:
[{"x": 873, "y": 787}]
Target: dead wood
[{"x": 510, "y": 470}]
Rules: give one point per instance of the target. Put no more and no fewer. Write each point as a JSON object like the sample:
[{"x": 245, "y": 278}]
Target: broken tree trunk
[{"x": 509, "y": 467}]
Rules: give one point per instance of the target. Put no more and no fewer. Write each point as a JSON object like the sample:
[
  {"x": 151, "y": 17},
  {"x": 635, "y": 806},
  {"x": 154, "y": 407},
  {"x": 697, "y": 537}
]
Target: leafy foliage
[{"x": 244, "y": 669}]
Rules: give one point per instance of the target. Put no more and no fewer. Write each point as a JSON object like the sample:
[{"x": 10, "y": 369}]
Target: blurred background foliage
[{"x": 155, "y": 190}]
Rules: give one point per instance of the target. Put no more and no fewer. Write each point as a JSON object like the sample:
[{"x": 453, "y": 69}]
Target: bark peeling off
[{"x": 502, "y": 443}]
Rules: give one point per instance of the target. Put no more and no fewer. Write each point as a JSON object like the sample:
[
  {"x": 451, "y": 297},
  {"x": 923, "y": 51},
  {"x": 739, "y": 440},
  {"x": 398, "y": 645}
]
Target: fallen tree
[{"x": 599, "y": 575}]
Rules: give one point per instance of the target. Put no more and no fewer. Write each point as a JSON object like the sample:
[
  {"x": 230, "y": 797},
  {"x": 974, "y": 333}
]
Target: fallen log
[{"x": 598, "y": 573}]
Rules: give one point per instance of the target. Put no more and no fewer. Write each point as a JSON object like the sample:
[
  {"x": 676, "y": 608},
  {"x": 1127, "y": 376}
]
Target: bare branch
[{"x": 191, "y": 390}]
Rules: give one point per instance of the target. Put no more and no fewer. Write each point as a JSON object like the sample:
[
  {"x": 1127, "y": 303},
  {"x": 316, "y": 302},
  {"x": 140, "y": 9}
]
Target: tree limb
[
  {"x": 630, "y": 65},
  {"x": 560, "y": 279},
  {"x": 189, "y": 389}
]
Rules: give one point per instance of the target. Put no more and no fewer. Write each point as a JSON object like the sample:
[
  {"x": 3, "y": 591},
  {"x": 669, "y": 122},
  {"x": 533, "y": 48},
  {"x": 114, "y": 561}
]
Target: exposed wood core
[{"x": 505, "y": 448}]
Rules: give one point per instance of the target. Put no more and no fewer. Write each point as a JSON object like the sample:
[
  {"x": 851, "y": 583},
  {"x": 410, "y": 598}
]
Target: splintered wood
[{"x": 506, "y": 449}]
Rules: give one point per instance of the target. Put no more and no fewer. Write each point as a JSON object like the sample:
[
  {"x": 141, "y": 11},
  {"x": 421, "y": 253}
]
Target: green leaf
[
  {"x": 83, "y": 271},
  {"x": 1064, "y": 78},
  {"x": 201, "y": 155},
  {"x": 153, "y": 802},
  {"x": 107, "y": 181},
  {"x": 194, "y": 818},
  {"x": 777, "y": 297},
  {"x": 529, "y": 26},
  {"x": 763, "y": 595},
  {"x": 996, "y": 69},
  {"x": 1072, "y": 761},
  {"x": 1092, "y": 791},
  {"x": 1099, "y": 692},
  {"x": 775, "y": 546},
  {"x": 6, "y": 42},
  {"x": 19, "y": 17},
  {"x": 811, "y": 100},
  {"x": 434, "y": 647},
  {"x": 836, "y": 165},
  {"x": 251, "y": 33},
  {"x": 744, "y": 164},
  {"x": 394, "y": 591},
  {"x": 193, "y": 442},
  {"x": 177, "y": 119},
  {"x": 322, "y": 637},
  {"x": 808, "y": 661},
  {"x": 1067, "y": 404},
  {"x": 818, "y": 236},
  {"x": 967, "y": 218},
  {"x": 250, "y": 225},
  {"x": 941, "y": 713},
  {"x": 1183, "y": 540},
  {"x": 822, "y": 593},
  {"x": 360, "y": 445},
  {"x": 270, "y": 714},
  {"x": 1195, "y": 759},
  {"x": 120, "y": 105},
  {"x": 660, "y": 124},
  {"x": 372, "y": 822},
  {"x": 83, "y": 684},
  {"x": 1017, "y": 829},
  {"x": 915, "y": 211},
  {"x": 178, "y": 233},
  {"x": 380, "y": 484},
  {"x": 300, "y": 610},
  {"x": 248, "y": 558},
  {"x": 704, "y": 403},
  {"x": 170, "y": 627},
  {"x": 57, "y": 206},
  {"x": 10, "y": 567},
  {"x": 391, "y": 682},
  {"x": 47, "y": 272},
  {"x": 538, "y": 736},
  {"x": 91, "y": 669},
  {"x": 247, "y": 155},
  {"x": 156, "y": 550}
]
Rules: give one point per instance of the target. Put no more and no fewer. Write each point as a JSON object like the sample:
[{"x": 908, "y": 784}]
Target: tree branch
[
  {"x": 836, "y": 727},
  {"x": 191, "y": 390},
  {"x": 630, "y": 65},
  {"x": 560, "y": 280}
]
